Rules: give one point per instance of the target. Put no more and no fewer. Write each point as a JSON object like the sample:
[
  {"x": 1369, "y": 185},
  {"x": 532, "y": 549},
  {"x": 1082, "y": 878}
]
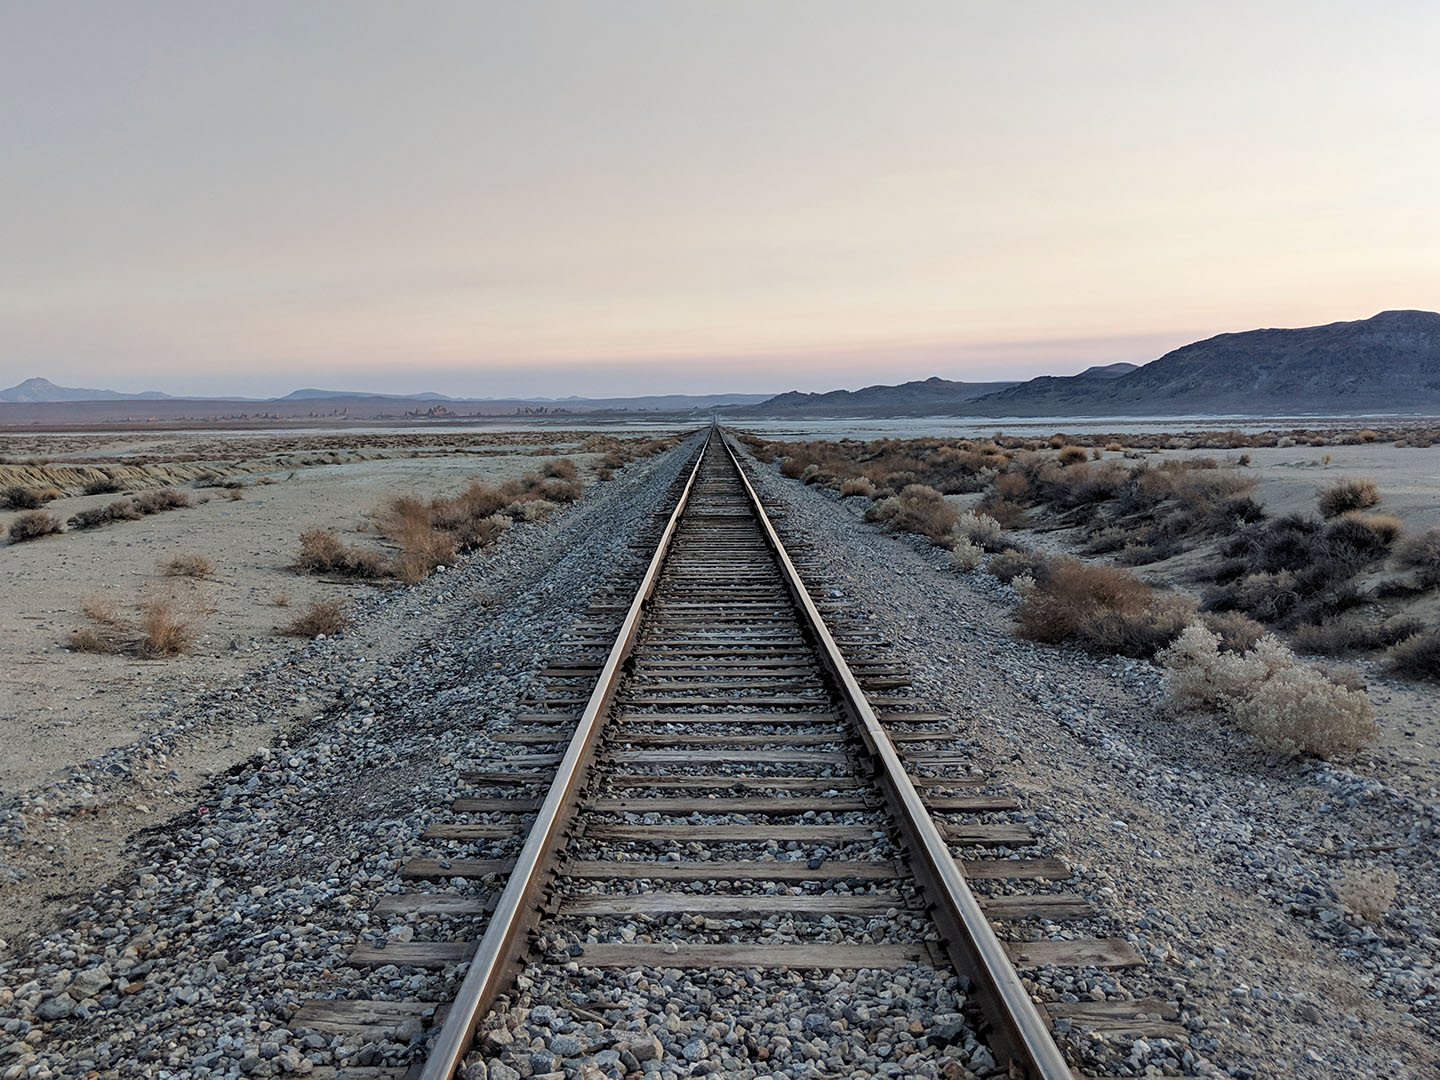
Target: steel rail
[
  {"x": 1019, "y": 1031},
  {"x": 518, "y": 909}
]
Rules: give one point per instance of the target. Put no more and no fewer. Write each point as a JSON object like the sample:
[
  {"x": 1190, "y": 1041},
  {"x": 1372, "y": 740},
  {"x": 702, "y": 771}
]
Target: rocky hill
[
  {"x": 33, "y": 390},
  {"x": 1389, "y": 363},
  {"x": 928, "y": 398}
]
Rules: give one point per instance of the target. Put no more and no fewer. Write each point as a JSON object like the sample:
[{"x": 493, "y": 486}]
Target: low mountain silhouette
[
  {"x": 921, "y": 398},
  {"x": 45, "y": 390},
  {"x": 1388, "y": 363}
]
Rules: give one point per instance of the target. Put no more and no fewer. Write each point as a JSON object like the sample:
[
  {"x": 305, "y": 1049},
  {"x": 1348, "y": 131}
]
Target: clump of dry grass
[
  {"x": 559, "y": 469},
  {"x": 165, "y": 630},
  {"x": 1386, "y": 527},
  {"x": 1422, "y": 554},
  {"x": 280, "y": 599},
  {"x": 1366, "y": 894},
  {"x": 101, "y": 485},
  {"x": 1072, "y": 455},
  {"x": 1289, "y": 707},
  {"x": 917, "y": 509},
  {"x": 323, "y": 552},
  {"x": 147, "y": 502},
  {"x": 326, "y": 617},
  {"x": 34, "y": 524},
  {"x": 1418, "y": 655},
  {"x": 92, "y": 639},
  {"x": 235, "y": 494},
  {"x": 1103, "y": 609},
  {"x": 19, "y": 497},
  {"x": 859, "y": 485},
  {"x": 1346, "y": 495},
  {"x": 187, "y": 564}
]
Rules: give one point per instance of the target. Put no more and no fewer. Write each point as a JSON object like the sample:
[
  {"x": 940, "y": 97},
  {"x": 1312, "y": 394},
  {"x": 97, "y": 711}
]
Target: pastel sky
[{"x": 671, "y": 195}]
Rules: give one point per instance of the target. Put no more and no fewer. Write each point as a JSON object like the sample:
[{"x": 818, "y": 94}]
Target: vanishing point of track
[{"x": 718, "y": 710}]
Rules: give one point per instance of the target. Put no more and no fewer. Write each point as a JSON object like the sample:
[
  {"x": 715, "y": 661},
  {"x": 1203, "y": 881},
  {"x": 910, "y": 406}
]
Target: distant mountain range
[
  {"x": 33, "y": 390},
  {"x": 43, "y": 391},
  {"x": 1386, "y": 364},
  {"x": 908, "y": 399}
]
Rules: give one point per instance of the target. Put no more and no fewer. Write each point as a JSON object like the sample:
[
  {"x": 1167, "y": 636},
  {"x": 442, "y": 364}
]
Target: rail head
[
  {"x": 1021, "y": 1030},
  {"x": 505, "y": 941}
]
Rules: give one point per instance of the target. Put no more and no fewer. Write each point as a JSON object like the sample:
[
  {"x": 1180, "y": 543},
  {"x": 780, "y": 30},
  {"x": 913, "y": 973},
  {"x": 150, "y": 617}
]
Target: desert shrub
[
  {"x": 1367, "y": 894},
  {"x": 1351, "y": 493},
  {"x": 1352, "y": 633},
  {"x": 1288, "y": 707},
  {"x": 90, "y": 519},
  {"x": 1422, "y": 553},
  {"x": 323, "y": 552},
  {"x": 19, "y": 497},
  {"x": 1103, "y": 609},
  {"x": 530, "y": 509},
  {"x": 965, "y": 555},
  {"x": 1014, "y": 486},
  {"x": 187, "y": 565},
  {"x": 916, "y": 509},
  {"x": 1072, "y": 455},
  {"x": 859, "y": 485},
  {"x": 559, "y": 469},
  {"x": 102, "y": 486},
  {"x": 34, "y": 524},
  {"x": 560, "y": 491},
  {"x": 280, "y": 599},
  {"x": 235, "y": 494},
  {"x": 92, "y": 639},
  {"x": 165, "y": 631},
  {"x": 1024, "y": 585},
  {"x": 1010, "y": 563},
  {"x": 1114, "y": 447},
  {"x": 1386, "y": 528},
  {"x": 793, "y": 468},
  {"x": 979, "y": 529},
  {"x": 1238, "y": 633},
  {"x": 122, "y": 510},
  {"x": 1418, "y": 654},
  {"x": 1010, "y": 514},
  {"x": 422, "y": 550},
  {"x": 156, "y": 502},
  {"x": 322, "y": 617}
]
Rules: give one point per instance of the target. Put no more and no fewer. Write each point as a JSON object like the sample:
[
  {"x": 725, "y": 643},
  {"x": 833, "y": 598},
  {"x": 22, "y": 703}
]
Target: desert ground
[
  {"x": 99, "y": 745},
  {"x": 255, "y": 762}
]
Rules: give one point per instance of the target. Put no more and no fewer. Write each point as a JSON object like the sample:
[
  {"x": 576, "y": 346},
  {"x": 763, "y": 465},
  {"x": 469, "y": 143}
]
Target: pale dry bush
[
  {"x": 858, "y": 486},
  {"x": 965, "y": 555},
  {"x": 1351, "y": 493},
  {"x": 280, "y": 599},
  {"x": 326, "y": 617},
  {"x": 1367, "y": 894},
  {"x": 92, "y": 639},
  {"x": 101, "y": 608},
  {"x": 981, "y": 529},
  {"x": 1288, "y": 707},
  {"x": 1024, "y": 584},
  {"x": 165, "y": 629},
  {"x": 187, "y": 564}
]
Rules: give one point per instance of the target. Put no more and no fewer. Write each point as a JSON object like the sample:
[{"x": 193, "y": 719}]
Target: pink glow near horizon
[{"x": 647, "y": 197}]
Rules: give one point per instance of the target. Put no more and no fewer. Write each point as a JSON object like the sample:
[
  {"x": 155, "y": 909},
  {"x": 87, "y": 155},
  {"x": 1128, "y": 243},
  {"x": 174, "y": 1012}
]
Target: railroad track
[{"x": 722, "y": 781}]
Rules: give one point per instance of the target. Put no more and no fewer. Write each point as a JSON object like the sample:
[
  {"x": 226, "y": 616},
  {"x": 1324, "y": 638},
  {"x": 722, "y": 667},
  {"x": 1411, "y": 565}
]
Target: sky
[{"x": 636, "y": 196}]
